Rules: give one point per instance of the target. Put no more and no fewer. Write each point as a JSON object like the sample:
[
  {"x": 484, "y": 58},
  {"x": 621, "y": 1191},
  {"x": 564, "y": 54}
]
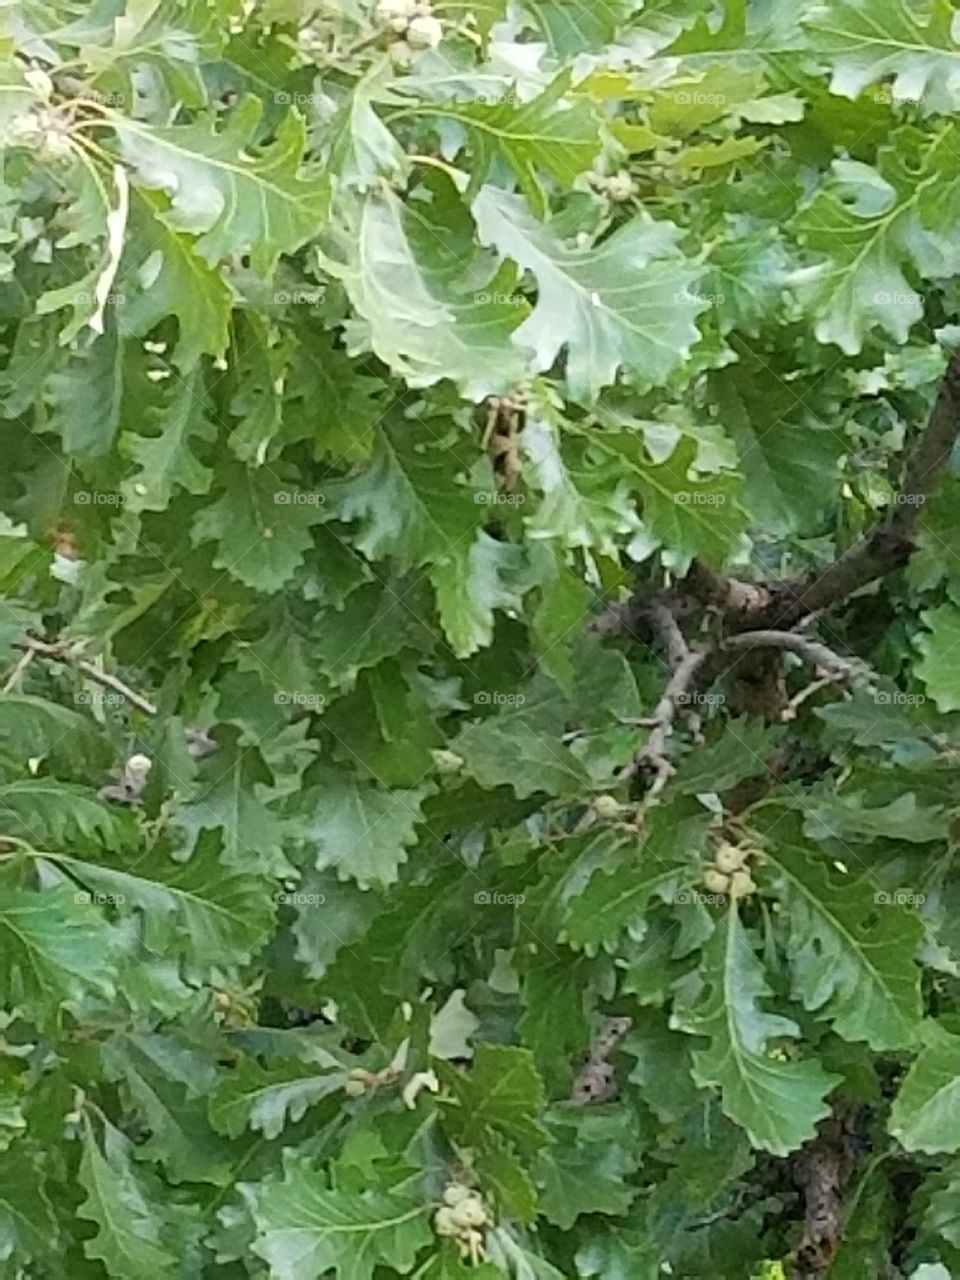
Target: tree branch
[
  {"x": 59, "y": 653},
  {"x": 595, "y": 1081},
  {"x": 890, "y": 544},
  {"x": 817, "y": 654},
  {"x": 653, "y": 753}
]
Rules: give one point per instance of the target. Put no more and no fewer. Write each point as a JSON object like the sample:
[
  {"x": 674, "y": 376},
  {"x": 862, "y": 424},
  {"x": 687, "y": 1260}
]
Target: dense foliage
[{"x": 459, "y": 818}]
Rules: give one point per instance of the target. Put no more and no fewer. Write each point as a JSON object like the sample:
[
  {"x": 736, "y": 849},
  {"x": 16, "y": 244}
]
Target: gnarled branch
[
  {"x": 812, "y": 651},
  {"x": 891, "y": 542}
]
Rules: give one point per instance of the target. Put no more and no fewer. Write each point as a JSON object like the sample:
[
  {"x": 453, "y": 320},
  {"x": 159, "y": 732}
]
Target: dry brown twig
[{"x": 61, "y": 653}]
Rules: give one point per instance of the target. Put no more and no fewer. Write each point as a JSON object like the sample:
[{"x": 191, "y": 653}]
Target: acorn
[
  {"x": 444, "y": 1223},
  {"x": 455, "y": 1193},
  {"x": 715, "y": 881},
  {"x": 470, "y": 1212},
  {"x": 741, "y": 885},
  {"x": 607, "y": 807},
  {"x": 424, "y": 32},
  {"x": 729, "y": 858}
]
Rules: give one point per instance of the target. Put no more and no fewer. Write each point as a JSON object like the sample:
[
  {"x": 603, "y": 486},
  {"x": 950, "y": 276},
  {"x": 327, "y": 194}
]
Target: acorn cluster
[
  {"x": 412, "y": 21},
  {"x": 462, "y": 1216},
  {"x": 729, "y": 874}
]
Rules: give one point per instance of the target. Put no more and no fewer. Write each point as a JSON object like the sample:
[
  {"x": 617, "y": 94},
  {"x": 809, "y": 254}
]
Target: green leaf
[
  {"x": 166, "y": 1083},
  {"x": 617, "y": 1252},
  {"x": 540, "y": 136},
  {"x": 625, "y": 303},
  {"x": 307, "y": 1229},
  {"x": 853, "y": 817},
  {"x": 690, "y": 513},
  {"x": 940, "y": 668},
  {"x": 581, "y": 504},
  {"x": 220, "y": 914},
  {"x": 408, "y": 501},
  {"x": 778, "y": 1101},
  {"x": 56, "y": 812},
  {"x": 166, "y": 462},
  {"x": 912, "y": 46},
  {"x": 529, "y": 729},
  {"x": 925, "y": 1115},
  {"x": 360, "y": 146},
  {"x": 502, "y": 1095},
  {"x": 471, "y": 583},
  {"x": 851, "y": 950},
  {"x": 235, "y": 802},
  {"x": 235, "y": 199},
  {"x": 616, "y": 898},
  {"x": 941, "y": 1215},
  {"x": 868, "y": 226},
  {"x": 741, "y": 751},
  {"x": 56, "y": 950},
  {"x": 594, "y": 1151},
  {"x": 85, "y": 395},
  {"x": 429, "y": 309},
  {"x": 135, "y": 1238},
  {"x": 28, "y": 1225},
  {"x": 362, "y": 830},
  {"x": 262, "y": 528},
  {"x": 572, "y": 26},
  {"x": 167, "y": 277},
  {"x": 264, "y": 1098},
  {"x": 33, "y": 725}
]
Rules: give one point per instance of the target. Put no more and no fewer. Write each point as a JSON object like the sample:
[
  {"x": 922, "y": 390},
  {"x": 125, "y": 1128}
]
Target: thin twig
[
  {"x": 653, "y": 754},
  {"x": 789, "y": 712},
  {"x": 58, "y": 653},
  {"x": 15, "y": 675},
  {"x": 666, "y": 631},
  {"x": 812, "y": 651}
]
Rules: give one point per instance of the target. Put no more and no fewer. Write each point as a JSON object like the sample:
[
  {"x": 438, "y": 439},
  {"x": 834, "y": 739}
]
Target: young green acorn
[
  {"x": 729, "y": 858},
  {"x": 715, "y": 881}
]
